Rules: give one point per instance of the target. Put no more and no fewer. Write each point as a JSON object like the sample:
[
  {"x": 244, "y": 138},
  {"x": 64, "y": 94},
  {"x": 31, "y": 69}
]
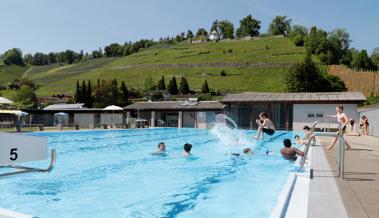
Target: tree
[
  {"x": 214, "y": 27},
  {"x": 205, "y": 87},
  {"x": 83, "y": 90},
  {"x": 189, "y": 35},
  {"x": 51, "y": 58},
  {"x": 148, "y": 83},
  {"x": 280, "y": 25},
  {"x": 173, "y": 87},
  {"x": 226, "y": 29},
  {"x": 375, "y": 56},
  {"x": 316, "y": 41},
  {"x": 13, "y": 56},
  {"x": 306, "y": 77},
  {"x": 78, "y": 94},
  {"x": 89, "y": 99},
  {"x": 25, "y": 97},
  {"x": 337, "y": 48},
  {"x": 104, "y": 94},
  {"x": 184, "y": 87},
  {"x": 361, "y": 61},
  {"x": 248, "y": 27},
  {"x": 298, "y": 35},
  {"x": 124, "y": 94},
  {"x": 161, "y": 84},
  {"x": 114, "y": 50},
  {"x": 202, "y": 34},
  {"x": 69, "y": 56},
  {"x": 25, "y": 81},
  {"x": 28, "y": 58},
  {"x": 115, "y": 94}
]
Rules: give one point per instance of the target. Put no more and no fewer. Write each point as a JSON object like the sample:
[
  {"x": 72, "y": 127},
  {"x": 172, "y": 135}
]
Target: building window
[
  {"x": 320, "y": 115},
  {"x": 311, "y": 115}
]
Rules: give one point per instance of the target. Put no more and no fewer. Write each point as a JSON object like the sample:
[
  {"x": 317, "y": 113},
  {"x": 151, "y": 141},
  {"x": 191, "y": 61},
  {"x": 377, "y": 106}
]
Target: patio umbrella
[
  {"x": 60, "y": 115},
  {"x": 22, "y": 113},
  {"x": 5, "y": 101},
  {"x": 113, "y": 108}
]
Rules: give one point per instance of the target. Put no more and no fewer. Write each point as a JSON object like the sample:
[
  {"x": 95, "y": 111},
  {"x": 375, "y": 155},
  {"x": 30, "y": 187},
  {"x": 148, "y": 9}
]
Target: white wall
[
  {"x": 300, "y": 114},
  {"x": 106, "y": 118},
  {"x": 201, "y": 120},
  {"x": 85, "y": 120},
  {"x": 189, "y": 119},
  {"x": 373, "y": 120}
]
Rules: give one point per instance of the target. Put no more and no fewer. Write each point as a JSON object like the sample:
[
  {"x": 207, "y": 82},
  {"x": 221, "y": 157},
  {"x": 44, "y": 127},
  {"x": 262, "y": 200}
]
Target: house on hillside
[{"x": 214, "y": 36}]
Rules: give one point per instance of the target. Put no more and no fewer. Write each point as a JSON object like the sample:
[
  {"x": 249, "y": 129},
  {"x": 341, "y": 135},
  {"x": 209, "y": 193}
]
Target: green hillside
[{"x": 252, "y": 65}]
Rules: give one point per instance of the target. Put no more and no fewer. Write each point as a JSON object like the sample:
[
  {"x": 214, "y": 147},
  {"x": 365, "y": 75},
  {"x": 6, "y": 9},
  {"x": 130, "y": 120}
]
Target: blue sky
[{"x": 52, "y": 25}]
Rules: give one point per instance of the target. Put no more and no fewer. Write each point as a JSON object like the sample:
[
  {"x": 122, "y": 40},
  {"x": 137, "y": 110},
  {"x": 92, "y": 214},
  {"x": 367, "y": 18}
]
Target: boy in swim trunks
[
  {"x": 289, "y": 152},
  {"x": 343, "y": 120},
  {"x": 265, "y": 126}
]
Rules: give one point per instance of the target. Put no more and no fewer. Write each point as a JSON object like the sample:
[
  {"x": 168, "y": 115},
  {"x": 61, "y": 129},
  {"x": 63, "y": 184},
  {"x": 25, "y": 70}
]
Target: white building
[
  {"x": 191, "y": 114},
  {"x": 214, "y": 36},
  {"x": 291, "y": 110}
]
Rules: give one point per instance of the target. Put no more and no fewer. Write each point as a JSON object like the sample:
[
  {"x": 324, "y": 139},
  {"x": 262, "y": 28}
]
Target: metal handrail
[
  {"x": 23, "y": 169},
  {"x": 341, "y": 149}
]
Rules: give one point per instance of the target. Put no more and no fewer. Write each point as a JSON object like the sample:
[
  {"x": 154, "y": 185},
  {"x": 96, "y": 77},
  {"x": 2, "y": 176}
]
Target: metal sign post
[{"x": 16, "y": 148}]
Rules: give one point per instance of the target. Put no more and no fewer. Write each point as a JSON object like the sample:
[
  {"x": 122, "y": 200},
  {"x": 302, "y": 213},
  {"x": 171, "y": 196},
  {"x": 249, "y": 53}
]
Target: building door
[{"x": 244, "y": 117}]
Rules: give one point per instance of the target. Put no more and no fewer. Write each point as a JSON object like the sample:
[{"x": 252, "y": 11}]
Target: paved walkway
[{"x": 360, "y": 189}]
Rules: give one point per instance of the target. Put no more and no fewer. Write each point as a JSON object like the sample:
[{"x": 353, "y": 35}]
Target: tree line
[
  {"x": 104, "y": 93},
  {"x": 331, "y": 47}
]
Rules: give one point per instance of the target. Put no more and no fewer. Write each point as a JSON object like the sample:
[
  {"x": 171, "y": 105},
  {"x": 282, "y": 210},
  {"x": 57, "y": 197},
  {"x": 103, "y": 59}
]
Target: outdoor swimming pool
[{"x": 113, "y": 174}]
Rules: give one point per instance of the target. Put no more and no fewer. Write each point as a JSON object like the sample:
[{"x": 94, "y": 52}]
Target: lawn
[{"x": 252, "y": 65}]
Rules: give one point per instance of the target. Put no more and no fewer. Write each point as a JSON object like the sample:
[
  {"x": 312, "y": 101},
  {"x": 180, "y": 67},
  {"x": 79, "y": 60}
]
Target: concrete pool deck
[{"x": 360, "y": 189}]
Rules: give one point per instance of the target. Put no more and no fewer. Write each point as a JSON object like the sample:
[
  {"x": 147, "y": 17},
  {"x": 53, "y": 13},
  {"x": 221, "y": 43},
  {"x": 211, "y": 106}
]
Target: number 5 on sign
[{"x": 16, "y": 148}]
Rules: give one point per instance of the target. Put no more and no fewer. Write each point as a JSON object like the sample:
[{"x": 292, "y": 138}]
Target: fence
[{"x": 365, "y": 82}]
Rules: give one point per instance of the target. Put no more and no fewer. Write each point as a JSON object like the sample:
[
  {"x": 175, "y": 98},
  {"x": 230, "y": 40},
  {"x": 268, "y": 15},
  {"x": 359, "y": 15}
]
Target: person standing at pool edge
[
  {"x": 265, "y": 125},
  {"x": 187, "y": 149},
  {"x": 343, "y": 120}
]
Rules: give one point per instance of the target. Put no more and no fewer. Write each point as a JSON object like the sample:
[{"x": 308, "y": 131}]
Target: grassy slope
[
  {"x": 10, "y": 72},
  {"x": 58, "y": 79}
]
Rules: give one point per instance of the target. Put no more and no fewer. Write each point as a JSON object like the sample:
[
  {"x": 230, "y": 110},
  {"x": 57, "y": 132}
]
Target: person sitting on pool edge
[
  {"x": 289, "y": 152},
  {"x": 307, "y": 135},
  {"x": 187, "y": 149},
  {"x": 265, "y": 126},
  {"x": 161, "y": 148}
]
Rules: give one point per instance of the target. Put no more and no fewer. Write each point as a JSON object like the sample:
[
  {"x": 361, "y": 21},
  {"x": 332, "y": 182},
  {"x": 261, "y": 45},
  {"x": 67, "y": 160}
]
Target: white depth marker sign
[{"x": 16, "y": 148}]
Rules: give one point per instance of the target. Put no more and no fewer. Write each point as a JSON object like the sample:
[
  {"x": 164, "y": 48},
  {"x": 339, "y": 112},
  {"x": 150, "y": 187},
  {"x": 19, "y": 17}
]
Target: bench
[
  {"x": 61, "y": 126},
  {"x": 20, "y": 126}
]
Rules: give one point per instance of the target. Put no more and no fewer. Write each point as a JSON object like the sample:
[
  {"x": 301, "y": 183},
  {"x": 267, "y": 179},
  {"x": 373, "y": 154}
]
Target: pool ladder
[
  {"x": 23, "y": 169},
  {"x": 341, "y": 148}
]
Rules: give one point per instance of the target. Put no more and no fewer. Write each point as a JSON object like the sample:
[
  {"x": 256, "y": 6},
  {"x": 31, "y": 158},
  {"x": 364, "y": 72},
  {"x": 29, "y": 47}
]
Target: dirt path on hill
[{"x": 210, "y": 65}]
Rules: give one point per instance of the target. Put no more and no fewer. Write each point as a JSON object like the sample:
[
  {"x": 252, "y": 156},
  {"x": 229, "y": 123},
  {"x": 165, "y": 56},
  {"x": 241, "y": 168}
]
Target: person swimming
[
  {"x": 245, "y": 151},
  {"x": 161, "y": 149},
  {"x": 288, "y": 152},
  {"x": 187, "y": 149}
]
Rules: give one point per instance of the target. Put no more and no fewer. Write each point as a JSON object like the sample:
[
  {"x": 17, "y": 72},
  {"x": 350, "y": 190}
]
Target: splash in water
[{"x": 228, "y": 135}]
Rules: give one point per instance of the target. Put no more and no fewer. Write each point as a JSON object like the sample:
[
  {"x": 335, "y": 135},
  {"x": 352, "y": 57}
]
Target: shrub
[
  {"x": 299, "y": 40},
  {"x": 205, "y": 97},
  {"x": 223, "y": 73}
]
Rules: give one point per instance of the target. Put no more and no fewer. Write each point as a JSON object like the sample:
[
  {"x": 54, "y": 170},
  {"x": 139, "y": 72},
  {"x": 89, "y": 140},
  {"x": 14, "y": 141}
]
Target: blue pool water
[{"x": 103, "y": 174}]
